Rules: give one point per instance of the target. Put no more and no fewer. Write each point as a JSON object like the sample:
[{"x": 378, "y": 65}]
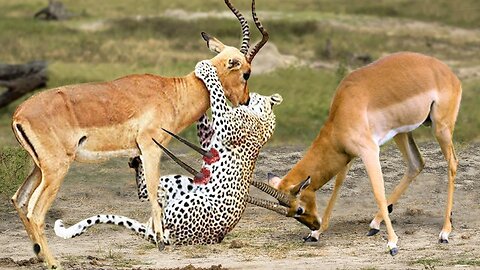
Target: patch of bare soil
[
  {"x": 269, "y": 59},
  {"x": 262, "y": 239}
]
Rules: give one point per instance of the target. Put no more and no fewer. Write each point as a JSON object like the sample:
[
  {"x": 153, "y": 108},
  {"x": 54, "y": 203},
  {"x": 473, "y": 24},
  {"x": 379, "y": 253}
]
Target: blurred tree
[{"x": 54, "y": 11}]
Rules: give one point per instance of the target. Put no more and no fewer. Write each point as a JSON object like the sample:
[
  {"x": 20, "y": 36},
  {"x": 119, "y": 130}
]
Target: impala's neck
[
  {"x": 322, "y": 161},
  {"x": 193, "y": 100}
]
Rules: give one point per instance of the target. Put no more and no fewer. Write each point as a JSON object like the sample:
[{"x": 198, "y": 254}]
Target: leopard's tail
[{"x": 79, "y": 228}]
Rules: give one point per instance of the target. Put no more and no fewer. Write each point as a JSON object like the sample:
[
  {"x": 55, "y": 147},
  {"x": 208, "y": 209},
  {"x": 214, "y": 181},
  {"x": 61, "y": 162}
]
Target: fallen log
[{"x": 21, "y": 79}]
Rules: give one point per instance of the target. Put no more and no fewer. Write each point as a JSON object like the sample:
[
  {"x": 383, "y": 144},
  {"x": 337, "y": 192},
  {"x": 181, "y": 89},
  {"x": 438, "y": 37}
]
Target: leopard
[{"x": 203, "y": 209}]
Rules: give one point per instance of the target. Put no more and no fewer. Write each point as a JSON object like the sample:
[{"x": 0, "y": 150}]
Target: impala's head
[
  {"x": 297, "y": 201},
  {"x": 234, "y": 65}
]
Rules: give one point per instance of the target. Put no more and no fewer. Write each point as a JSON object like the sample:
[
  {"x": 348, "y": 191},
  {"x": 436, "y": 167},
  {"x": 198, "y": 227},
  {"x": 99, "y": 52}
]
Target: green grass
[
  {"x": 468, "y": 123},
  {"x": 472, "y": 262},
  {"x": 298, "y": 118},
  {"x": 171, "y": 46},
  {"x": 465, "y": 13},
  {"x": 14, "y": 168},
  {"x": 428, "y": 263}
]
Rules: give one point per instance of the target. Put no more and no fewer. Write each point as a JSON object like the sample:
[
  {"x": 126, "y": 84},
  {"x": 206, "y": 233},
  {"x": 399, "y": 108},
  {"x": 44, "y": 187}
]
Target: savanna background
[{"x": 313, "y": 45}]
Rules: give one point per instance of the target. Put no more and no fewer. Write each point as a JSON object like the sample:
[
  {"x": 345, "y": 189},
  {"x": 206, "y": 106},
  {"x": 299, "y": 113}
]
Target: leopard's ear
[{"x": 276, "y": 99}]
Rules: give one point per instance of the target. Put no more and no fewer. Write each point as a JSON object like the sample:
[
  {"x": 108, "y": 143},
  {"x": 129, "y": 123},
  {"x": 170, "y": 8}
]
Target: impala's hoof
[
  {"x": 394, "y": 251},
  {"x": 36, "y": 248},
  {"x": 372, "y": 232},
  {"x": 160, "y": 243},
  {"x": 443, "y": 237},
  {"x": 160, "y": 246},
  {"x": 310, "y": 239}
]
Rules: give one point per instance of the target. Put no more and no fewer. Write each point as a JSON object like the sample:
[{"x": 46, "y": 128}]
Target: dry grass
[{"x": 124, "y": 43}]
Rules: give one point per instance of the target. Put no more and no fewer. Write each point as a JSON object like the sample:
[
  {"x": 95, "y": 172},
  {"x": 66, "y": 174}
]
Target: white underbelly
[
  {"x": 102, "y": 143},
  {"x": 403, "y": 116},
  {"x": 384, "y": 136},
  {"x": 83, "y": 155}
]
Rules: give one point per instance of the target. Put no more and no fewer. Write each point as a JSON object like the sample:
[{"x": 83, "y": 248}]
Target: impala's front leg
[
  {"x": 413, "y": 158},
  {"x": 370, "y": 158},
  {"x": 339, "y": 179},
  {"x": 150, "y": 155}
]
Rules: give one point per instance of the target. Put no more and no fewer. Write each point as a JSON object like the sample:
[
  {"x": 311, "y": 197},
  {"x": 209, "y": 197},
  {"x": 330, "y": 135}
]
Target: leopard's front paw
[{"x": 203, "y": 69}]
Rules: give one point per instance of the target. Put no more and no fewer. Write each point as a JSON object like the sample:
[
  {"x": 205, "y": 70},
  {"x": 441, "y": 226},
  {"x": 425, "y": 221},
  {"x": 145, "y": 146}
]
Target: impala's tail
[{"x": 79, "y": 228}]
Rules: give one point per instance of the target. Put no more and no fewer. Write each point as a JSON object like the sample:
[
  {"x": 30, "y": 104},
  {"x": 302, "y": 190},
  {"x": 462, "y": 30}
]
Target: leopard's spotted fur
[{"x": 203, "y": 214}]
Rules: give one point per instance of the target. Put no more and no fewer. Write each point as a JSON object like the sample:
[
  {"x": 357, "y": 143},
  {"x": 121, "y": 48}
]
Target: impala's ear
[
  {"x": 301, "y": 186},
  {"x": 273, "y": 180},
  {"x": 212, "y": 43},
  {"x": 234, "y": 64}
]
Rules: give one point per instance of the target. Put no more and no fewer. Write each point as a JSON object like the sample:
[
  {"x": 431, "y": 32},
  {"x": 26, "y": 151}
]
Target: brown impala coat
[
  {"x": 386, "y": 99},
  {"x": 84, "y": 119},
  {"x": 95, "y": 121}
]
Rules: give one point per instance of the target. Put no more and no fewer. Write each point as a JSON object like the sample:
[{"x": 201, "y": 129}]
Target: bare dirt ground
[{"x": 265, "y": 240}]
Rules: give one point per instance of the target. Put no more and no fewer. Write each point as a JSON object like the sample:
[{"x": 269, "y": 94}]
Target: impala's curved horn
[
  {"x": 280, "y": 196},
  {"x": 282, "y": 210},
  {"x": 189, "y": 144},
  {"x": 182, "y": 164},
  {"x": 258, "y": 46},
  {"x": 245, "y": 29}
]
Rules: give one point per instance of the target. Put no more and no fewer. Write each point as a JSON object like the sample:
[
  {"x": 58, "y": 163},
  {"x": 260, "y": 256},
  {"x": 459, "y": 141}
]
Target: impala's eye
[
  {"x": 246, "y": 76},
  {"x": 300, "y": 211}
]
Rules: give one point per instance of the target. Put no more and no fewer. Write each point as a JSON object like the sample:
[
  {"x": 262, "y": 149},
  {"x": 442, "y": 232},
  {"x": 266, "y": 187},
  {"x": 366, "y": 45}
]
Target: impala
[
  {"x": 386, "y": 99},
  {"x": 95, "y": 121}
]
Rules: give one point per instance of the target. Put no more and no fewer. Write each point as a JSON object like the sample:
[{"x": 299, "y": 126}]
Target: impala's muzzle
[
  {"x": 311, "y": 222},
  {"x": 246, "y": 103}
]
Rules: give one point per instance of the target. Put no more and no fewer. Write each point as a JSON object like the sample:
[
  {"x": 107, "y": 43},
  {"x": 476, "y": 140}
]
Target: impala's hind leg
[
  {"x": 444, "y": 115},
  {"x": 34, "y": 198},
  {"x": 444, "y": 133},
  {"x": 445, "y": 141},
  {"x": 22, "y": 196},
  {"x": 415, "y": 164},
  {"x": 41, "y": 200}
]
